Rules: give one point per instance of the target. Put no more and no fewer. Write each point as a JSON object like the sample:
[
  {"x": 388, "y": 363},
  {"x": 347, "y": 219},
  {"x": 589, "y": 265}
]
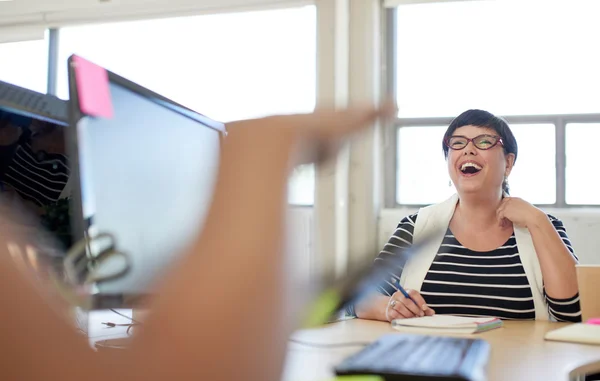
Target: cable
[
  {"x": 128, "y": 325},
  {"x": 330, "y": 345},
  {"x": 125, "y": 316}
]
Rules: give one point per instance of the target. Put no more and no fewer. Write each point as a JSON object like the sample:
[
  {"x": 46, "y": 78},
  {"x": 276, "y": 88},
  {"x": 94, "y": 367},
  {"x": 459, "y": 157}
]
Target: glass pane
[
  {"x": 422, "y": 176},
  {"x": 501, "y": 56},
  {"x": 25, "y": 64},
  {"x": 227, "y": 66},
  {"x": 582, "y": 182},
  {"x": 302, "y": 185},
  {"x": 422, "y": 173},
  {"x": 533, "y": 177}
]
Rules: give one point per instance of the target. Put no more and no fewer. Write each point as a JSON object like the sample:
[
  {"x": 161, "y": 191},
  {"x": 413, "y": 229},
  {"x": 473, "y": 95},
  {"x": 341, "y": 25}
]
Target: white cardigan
[{"x": 433, "y": 221}]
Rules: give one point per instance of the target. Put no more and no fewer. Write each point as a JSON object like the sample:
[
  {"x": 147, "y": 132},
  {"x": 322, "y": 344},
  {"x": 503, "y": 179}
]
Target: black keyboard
[
  {"x": 399, "y": 357},
  {"x": 29, "y": 102}
]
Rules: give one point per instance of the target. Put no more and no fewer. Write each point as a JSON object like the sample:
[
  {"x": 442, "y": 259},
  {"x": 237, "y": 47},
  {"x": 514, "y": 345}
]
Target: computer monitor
[
  {"x": 145, "y": 175},
  {"x": 34, "y": 168}
]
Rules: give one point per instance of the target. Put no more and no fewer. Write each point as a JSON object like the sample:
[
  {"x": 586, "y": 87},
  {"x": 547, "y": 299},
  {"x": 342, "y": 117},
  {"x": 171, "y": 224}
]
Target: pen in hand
[
  {"x": 419, "y": 308},
  {"x": 406, "y": 295}
]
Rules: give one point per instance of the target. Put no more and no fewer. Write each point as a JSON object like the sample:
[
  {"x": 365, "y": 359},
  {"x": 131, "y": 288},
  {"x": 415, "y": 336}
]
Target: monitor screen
[{"x": 146, "y": 176}]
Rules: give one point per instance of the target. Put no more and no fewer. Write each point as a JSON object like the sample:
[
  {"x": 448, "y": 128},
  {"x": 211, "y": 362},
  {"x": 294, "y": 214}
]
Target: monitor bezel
[{"x": 22, "y": 109}]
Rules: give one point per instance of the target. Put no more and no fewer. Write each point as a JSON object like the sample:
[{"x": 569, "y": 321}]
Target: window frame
[{"x": 390, "y": 151}]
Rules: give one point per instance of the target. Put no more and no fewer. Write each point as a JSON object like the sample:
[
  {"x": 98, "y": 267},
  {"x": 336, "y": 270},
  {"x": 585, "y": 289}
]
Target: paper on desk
[
  {"x": 444, "y": 321},
  {"x": 576, "y": 333},
  {"x": 448, "y": 324}
]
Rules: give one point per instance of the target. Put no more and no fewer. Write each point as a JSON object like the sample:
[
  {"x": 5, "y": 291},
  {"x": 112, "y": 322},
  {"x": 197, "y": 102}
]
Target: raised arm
[
  {"x": 220, "y": 314},
  {"x": 552, "y": 246}
]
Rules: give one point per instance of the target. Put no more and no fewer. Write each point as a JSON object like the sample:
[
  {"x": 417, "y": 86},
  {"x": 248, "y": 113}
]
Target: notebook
[
  {"x": 576, "y": 333},
  {"x": 447, "y": 324}
]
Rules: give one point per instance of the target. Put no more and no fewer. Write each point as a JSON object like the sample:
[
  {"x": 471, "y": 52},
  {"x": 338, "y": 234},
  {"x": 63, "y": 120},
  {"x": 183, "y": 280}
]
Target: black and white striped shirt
[
  {"x": 39, "y": 176},
  {"x": 465, "y": 282}
]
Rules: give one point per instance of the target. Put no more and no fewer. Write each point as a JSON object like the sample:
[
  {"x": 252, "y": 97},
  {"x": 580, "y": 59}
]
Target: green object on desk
[{"x": 326, "y": 305}]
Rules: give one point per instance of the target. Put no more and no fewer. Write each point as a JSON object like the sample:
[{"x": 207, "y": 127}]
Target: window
[
  {"x": 227, "y": 66},
  {"x": 25, "y": 64},
  {"x": 582, "y": 181},
  {"x": 503, "y": 57},
  {"x": 422, "y": 174},
  {"x": 498, "y": 55},
  {"x": 533, "y": 177}
]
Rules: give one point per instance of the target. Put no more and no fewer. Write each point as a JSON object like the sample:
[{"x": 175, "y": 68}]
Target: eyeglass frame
[{"x": 498, "y": 140}]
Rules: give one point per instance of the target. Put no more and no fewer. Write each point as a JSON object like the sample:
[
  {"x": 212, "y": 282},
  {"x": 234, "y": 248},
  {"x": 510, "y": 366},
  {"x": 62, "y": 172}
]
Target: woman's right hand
[{"x": 401, "y": 307}]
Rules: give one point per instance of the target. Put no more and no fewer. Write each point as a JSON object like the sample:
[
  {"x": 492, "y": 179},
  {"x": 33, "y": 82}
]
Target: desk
[{"x": 519, "y": 351}]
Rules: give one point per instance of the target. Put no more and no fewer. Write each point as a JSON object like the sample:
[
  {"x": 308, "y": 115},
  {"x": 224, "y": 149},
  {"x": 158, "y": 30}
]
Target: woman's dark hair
[{"x": 484, "y": 119}]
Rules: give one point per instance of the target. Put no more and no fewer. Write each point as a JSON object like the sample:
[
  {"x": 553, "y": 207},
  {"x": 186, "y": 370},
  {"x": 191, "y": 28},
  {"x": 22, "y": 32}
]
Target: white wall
[{"x": 583, "y": 228}]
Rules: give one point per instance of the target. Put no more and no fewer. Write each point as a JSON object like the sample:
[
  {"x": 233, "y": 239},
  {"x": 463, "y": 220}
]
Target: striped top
[
  {"x": 470, "y": 283},
  {"x": 39, "y": 177}
]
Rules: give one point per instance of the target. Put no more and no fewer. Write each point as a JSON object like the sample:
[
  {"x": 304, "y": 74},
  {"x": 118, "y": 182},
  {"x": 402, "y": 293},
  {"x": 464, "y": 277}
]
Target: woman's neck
[{"x": 479, "y": 211}]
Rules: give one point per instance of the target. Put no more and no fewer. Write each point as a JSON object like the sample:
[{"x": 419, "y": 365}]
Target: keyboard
[
  {"x": 28, "y": 102},
  {"x": 399, "y": 357}
]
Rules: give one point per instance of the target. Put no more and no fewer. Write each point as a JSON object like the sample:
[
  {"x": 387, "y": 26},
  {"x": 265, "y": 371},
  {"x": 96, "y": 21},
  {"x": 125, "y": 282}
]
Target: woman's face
[{"x": 474, "y": 170}]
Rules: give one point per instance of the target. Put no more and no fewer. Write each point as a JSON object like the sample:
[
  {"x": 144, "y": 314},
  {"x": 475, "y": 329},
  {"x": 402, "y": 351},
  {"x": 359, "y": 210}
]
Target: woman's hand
[
  {"x": 401, "y": 307},
  {"x": 519, "y": 212}
]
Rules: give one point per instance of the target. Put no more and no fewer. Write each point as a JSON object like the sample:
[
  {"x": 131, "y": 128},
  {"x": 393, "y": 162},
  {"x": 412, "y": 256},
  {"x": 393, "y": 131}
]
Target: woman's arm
[
  {"x": 229, "y": 292},
  {"x": 373, "y": 307},
  {"x": 556, "y": 260}
]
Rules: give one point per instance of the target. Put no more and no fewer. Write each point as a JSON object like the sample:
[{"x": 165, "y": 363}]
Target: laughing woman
[{"x": 493, "y": 255}]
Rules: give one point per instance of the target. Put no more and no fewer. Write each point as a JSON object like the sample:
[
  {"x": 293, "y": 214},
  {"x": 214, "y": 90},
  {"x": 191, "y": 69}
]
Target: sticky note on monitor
[{"x": 92, "y": 85}]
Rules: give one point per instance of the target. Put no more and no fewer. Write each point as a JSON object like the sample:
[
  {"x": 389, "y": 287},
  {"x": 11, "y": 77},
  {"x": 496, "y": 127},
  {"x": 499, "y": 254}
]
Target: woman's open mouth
[{"x": 470, "y": 168}]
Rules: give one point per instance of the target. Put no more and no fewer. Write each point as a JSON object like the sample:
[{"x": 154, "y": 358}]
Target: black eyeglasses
[{"x": 482, "y": 142}]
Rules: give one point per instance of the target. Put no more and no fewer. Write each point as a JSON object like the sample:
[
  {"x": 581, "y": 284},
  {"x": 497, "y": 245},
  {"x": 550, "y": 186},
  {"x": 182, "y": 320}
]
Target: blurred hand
[
  {"x": 401, "y": 307},
  {"x": 317, "y": 136}
]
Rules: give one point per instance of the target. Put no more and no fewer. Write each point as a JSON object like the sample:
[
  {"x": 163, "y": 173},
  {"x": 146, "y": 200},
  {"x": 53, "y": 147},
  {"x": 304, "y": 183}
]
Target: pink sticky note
[
  {"x": 92, "y": 85},
  {"x": 595, "y": 321}
]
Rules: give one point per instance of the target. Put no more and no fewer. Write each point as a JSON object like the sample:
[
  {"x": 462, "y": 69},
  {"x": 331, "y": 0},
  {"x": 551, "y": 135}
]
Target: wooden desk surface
[{"x": 519, "y": 351}]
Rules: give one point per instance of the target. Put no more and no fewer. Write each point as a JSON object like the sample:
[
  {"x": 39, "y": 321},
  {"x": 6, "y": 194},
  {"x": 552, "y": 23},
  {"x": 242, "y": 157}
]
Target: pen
[{"x": 403, "y": 291}]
